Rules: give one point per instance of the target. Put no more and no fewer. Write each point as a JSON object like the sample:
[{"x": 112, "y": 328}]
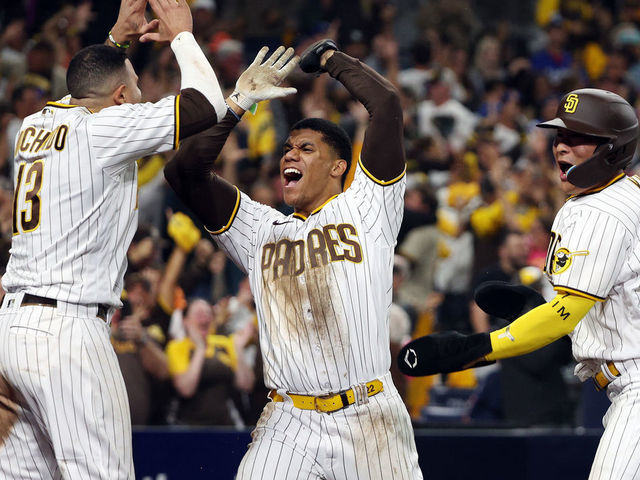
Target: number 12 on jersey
[{"x": 27, "y": 197}]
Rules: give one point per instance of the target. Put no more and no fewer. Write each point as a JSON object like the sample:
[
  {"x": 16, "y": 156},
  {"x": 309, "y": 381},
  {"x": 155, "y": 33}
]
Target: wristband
[
  {"x": 233, "y": 112},
  {"x": 244, "y": 102},
  {"x": 123, "y": 45}
]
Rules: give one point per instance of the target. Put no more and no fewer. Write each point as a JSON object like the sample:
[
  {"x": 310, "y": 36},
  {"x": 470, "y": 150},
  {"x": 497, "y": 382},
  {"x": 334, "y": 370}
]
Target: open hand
[{"x": 261, "y": 79}]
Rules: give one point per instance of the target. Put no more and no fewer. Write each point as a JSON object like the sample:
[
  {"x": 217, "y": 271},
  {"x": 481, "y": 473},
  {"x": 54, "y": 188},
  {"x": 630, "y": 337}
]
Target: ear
[
  {"x": 119, "y": 95},
  {"x": 339, "y": 167}
]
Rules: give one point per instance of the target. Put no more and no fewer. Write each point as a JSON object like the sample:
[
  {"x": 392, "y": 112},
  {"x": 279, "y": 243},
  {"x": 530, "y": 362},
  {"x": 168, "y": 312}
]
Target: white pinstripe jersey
[
  {"x": 595, "y": 251},
  {"x": 75, "y": 211},
  {"x": 322, "y": 285}
]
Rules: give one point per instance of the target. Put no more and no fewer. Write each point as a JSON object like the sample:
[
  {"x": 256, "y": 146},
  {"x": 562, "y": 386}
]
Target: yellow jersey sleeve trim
[
  {"x": 579, "y": 293},
  {"x": 61, "y": 105},
  {"x": 381, "y": 182},
  {"x": 233, "y": 216},
  {"x": 176, "y": 131}
]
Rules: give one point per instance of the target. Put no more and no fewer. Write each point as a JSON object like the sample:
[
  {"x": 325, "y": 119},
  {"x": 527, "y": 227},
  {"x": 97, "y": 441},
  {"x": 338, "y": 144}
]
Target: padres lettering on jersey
[
  {"x": 74, "y": 205},
  {"x": 322, "y": 285},
  {"x": 322, "y": 245},
  {"x": 594, "y": 251}
]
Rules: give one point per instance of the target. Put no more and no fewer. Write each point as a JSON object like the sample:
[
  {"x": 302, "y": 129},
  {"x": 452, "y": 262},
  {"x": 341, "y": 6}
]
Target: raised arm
[
  {"x": 191, "y": 171},
  {"x": 382, "y": 150}
]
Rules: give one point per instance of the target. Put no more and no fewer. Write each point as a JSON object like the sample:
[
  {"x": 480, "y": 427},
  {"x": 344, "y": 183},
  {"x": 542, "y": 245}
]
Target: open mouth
[
  {"x": 291, "y": 176},
  {"x": 564, "y": 168}
]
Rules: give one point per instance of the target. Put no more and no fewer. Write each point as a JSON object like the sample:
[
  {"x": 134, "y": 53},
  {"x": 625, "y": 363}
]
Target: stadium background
[{"x": 475, "y": 77}]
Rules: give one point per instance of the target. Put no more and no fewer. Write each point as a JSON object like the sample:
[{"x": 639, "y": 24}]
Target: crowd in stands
[{"x": 475, "y": 77}]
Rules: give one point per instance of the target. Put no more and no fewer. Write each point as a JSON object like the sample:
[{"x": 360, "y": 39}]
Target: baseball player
[
  {"x": 593, "y": 262},
  {"x": 63, "y": 405},
  {"x": 321, "y": 278}
]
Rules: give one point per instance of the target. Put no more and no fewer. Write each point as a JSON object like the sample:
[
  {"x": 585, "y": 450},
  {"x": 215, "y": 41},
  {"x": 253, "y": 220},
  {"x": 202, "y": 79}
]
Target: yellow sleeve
[
  {"x": 540, "y": 326},
  {"x": 179, "y": 355}
]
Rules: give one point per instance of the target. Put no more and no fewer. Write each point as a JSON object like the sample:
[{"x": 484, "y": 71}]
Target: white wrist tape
[
  {"x": 242, "y": 100},
  {"x": 196, "y": 71}
]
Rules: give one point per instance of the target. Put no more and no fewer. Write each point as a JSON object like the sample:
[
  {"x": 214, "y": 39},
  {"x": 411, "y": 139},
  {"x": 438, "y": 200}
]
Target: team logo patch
[
  {"x": 571, "y": 103},
  {"x": 562, "y": 259}
]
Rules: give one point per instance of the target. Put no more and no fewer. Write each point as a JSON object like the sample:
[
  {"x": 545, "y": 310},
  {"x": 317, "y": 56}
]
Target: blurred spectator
[
  {"x": 141, "y": 328},
  {"x": 25, "y": 100},
  {"x": 554, "y": 61},
  {"x": 205, "y": 367},
  {"x": 442, "y": 116},
  {"x": 512, "y": 256},
  {"x": 420, "y": 248}
]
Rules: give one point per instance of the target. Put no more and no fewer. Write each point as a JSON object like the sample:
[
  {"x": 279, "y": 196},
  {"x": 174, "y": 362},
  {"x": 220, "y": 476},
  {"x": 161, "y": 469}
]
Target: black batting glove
[
  {"x": 444, "y": 352},
  {"x": 310, "y": 58}
]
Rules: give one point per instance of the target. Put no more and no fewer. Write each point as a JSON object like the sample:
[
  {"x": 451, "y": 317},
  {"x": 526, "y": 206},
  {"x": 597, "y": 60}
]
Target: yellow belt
[
  {"x": 329, "y": 403},
  {"x": 601, "y": 380}
]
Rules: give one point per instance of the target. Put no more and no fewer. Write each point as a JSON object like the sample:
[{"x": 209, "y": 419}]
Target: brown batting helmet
[{"x": 604, "y": 115}]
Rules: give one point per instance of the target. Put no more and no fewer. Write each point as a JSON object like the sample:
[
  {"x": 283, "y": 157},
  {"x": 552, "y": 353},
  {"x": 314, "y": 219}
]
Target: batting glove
[
  {"x": 260, "y": 81},
  {"x": 310, "y": 58},
  {"x": 183, "y": 231}
]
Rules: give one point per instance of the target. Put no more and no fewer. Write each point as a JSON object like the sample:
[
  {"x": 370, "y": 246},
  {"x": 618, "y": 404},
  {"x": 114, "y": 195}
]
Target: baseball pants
[
  {"x": 366, "y": 442},
  {"x": 63, "y": 405},
  {"x": 618, "y": 453}
]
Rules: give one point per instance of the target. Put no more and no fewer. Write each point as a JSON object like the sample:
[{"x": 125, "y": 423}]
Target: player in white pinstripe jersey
[
  {"x": 321, "y": 279},
  {"x": 593, "y": 262},
  {"x": 63, "y": 405}
]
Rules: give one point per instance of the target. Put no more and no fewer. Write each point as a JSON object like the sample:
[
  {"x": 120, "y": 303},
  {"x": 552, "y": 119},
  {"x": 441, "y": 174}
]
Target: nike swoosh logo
[{"x": 276, "y": 222}]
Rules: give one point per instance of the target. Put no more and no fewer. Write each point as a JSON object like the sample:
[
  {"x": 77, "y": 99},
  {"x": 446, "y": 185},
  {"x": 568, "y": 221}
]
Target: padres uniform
[
  {"x": 74, "y": 217},
  {"x": 322, "y": 286},
  {"x": 595, "y": 252}
]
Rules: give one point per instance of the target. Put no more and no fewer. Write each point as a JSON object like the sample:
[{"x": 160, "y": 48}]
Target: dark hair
[
  {"x": 92, "y": 67},
  {"x": 137, "y": 278},
  {"x": 334, "y": 135}
]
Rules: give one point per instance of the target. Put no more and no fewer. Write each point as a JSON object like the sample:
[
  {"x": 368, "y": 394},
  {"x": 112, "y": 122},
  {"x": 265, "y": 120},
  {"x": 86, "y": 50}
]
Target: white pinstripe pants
[
  {"x": 367, "y": 442},
  {"x": 618, "y": 454},
  {"x": 64, "y": 412}
]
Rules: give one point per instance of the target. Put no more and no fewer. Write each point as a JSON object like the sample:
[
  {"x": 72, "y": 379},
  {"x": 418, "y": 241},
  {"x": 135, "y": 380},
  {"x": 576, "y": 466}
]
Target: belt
[
  {"x": 30, "y": 299},
  {"x": 607, "y": 374},
  {"x": 334, "y": 401}
]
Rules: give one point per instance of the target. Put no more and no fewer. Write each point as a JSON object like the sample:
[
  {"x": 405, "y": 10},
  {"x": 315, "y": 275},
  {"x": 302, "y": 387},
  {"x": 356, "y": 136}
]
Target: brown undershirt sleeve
[
  {"x": 191, "y": 174},
  {"x": 382, "y": 151}
]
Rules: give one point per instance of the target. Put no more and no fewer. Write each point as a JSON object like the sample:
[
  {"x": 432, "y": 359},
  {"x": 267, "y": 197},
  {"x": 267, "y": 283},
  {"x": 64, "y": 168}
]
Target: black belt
[{"x": 30, "y": 299}]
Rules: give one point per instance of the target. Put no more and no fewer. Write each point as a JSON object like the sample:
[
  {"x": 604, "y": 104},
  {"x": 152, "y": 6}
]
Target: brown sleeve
[
  {"x": 194, "y": 114},
  {"x": 191, "y": 174},
  {"x": 382, "y": 151}
]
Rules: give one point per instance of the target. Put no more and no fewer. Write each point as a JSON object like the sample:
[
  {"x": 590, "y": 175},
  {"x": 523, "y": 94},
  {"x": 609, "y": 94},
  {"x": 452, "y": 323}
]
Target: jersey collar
[
  {"x": 302, "y": 217},
  {"x": 600, "y": 188}
]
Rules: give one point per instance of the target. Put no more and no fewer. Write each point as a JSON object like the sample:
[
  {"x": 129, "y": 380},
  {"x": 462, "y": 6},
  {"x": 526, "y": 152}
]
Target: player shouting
[
  {"x": 593, "y": 262},
  {"x": 321, "y": 279}
]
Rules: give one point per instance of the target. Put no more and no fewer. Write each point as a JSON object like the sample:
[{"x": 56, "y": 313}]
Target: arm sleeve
[
  {"x": 382, "y": 156},
  {"x": 197, "y": 73},
  {"x": 539, "y": 327},
  {"x": 191, "y": 174}
]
